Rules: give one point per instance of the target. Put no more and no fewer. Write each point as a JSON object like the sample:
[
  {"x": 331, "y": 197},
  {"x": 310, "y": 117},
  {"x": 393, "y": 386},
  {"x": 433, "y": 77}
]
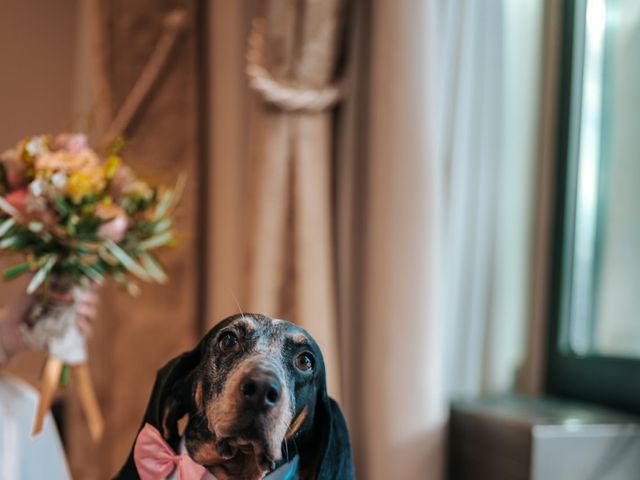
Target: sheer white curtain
[
  {"x": 468, "y": 130},
  {"x": 452, "y": 113},
  {"x": 489, "y": 71}
]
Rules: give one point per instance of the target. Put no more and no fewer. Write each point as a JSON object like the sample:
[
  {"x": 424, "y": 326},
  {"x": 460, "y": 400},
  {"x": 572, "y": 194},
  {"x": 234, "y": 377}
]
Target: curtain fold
[
  {"x": 291, "y": 259},
  {"x": 471, "y": 161},
  {"x": 401, "y": 417}
]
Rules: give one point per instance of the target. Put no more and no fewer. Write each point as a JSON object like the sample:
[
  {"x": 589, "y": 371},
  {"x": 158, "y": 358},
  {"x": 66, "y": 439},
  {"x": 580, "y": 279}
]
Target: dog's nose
[{"x": 261, "y": 390}]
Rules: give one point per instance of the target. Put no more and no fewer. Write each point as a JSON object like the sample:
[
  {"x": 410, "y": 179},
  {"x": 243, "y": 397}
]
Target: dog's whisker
[
  {"x": 294, "y": 444},
  {"x": 235, "y": 299},
  {"x": 286, "y": 443},
  {"x": 202, "y": 421}
]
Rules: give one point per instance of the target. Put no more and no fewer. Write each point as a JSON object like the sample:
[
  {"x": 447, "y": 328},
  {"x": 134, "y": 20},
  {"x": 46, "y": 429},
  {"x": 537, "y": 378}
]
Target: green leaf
[
  {"x": 90, "y": 272},
  {"x": 117, "y": 145},
  {"x": 62, "y": 205},
  {"x": 162, "y": 225},
  {"x": 8, "y": 208},
  {"x": 163, "y": 205},
  {"x": 36, "y": 227},
  {"x": 108, "y": 258},
  {"x": 6, "y": 226},
  {"x": 131, "y": 287},
  {"x": 64, "y": 375},
  {"x": 42, "y": 274},
  {"x": 9, "y": 242},
  {"x": 126, "y": 261},
  {"x": 17, "y": 270},
  {"x": 17, "y": 240},
  {"x": 156, "y": 241},
  {"x": 154, "y": 268},
  {"x": 100, "y": 267}
]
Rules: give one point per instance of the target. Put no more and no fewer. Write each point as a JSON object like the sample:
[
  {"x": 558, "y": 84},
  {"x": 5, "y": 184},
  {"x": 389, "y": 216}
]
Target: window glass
[{"x": 601, "y": 284}]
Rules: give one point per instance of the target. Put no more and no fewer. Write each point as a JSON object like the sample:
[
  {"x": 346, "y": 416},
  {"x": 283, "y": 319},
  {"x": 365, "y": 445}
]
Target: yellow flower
[
  {"x": 138, "y": 190},
  {"x": 78, "y": 187},
  {"x": 83, "y": 183},
  {"x": 111, "y": 165},
  {"x": 107, "y": 210}
]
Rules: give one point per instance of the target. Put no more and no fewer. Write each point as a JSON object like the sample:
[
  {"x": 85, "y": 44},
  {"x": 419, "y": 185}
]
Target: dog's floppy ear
[
  {"x": 331, "y": 441},
  {"x": 169, "y": 402},
  {"x": 337, "y": 461}
]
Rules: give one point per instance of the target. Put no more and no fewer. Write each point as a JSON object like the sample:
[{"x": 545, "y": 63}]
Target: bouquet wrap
[{"x": 52, "y": 325}]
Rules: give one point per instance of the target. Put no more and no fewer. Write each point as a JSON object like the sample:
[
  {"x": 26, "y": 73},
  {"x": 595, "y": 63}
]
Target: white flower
[
  {"x": 36, "y": 187},
  {"x": 36, "y": 146},
  {"x": 59, "y": 180}
]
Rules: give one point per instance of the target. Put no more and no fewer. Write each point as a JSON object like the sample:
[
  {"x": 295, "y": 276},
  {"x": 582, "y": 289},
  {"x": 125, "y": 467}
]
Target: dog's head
[{"x": 254, "y": 395}]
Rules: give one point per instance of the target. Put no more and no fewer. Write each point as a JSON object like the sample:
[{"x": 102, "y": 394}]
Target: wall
[
  {"x": 37, "y": 55},
  {"x": 48, "y": 70}
]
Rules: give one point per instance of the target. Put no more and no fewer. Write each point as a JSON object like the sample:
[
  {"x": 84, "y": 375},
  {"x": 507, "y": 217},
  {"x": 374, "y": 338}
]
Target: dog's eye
[
  {"x": 229, "y": 342},
  {"x": 305, "y": 362}
]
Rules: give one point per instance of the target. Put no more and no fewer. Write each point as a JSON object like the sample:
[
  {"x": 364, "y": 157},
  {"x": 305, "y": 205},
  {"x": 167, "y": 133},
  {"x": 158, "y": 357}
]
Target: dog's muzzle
[{"x": 260, "y": 390}]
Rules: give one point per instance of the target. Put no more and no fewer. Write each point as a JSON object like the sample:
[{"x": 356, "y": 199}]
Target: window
[{"x": 594, "y": 348}]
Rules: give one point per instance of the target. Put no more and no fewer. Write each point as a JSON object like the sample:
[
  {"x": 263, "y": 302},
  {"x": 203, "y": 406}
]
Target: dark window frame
[{"x": 610, "y": 381}]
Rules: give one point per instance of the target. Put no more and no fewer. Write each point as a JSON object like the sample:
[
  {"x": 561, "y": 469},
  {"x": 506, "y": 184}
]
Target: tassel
[
  {"x": 48, "y": 385},
  {"x": 51, "y": 376},
  {"x": 88, "y": 401}
]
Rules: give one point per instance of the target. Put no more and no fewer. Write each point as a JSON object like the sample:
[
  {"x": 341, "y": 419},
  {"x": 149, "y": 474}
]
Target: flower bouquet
[{"x": 76, "y": 218}]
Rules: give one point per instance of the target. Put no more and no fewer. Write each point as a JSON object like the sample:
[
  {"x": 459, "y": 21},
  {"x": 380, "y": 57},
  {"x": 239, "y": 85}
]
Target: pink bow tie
[{"x": 155, "y": 459}]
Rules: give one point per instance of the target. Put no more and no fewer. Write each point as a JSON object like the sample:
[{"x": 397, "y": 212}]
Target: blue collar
[{"x": 288, "y": 471}]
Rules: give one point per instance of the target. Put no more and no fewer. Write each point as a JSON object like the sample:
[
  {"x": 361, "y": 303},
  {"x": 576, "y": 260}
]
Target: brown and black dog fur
[{"x": 254, "y": 394}]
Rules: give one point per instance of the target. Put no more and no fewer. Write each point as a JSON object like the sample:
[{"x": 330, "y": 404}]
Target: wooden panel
[{"x": 137, "y": 336}]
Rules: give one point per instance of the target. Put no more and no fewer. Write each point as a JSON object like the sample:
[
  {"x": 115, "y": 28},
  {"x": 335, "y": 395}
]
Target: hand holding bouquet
[{"x": 76, "y": 218}]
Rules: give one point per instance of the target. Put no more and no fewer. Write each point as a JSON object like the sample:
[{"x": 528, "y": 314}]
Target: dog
[{"x": 254, "y": 396}]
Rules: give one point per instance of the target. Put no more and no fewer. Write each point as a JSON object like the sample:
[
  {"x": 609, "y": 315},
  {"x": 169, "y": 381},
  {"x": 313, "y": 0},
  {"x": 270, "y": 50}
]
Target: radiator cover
[{"x": 516, "y": 438}]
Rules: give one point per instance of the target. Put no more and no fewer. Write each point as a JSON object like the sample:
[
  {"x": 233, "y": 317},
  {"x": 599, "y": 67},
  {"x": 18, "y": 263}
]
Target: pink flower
[
  {"x": 77, "y": 143},
  {"x": 51, "y": 161},
  {"x": 16, "y": 179},
  {"x": 114, "y": 229},
  {"x": 15, "y": 169},
  {"x": 116, "y": 223},
  {"x": 73, "y": 142},
  {"x": 18, "y": 199}
]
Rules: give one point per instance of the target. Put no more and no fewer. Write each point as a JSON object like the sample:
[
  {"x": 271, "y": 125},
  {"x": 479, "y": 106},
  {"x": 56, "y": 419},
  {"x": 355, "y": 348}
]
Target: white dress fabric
[{"x": 23, "y": 457}]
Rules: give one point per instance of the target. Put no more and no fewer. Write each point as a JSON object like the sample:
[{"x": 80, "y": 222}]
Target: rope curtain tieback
[{"x": 286, "y": 97}]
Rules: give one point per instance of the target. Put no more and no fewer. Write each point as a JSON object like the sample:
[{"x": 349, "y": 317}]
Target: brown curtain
[{"x": 291, "y": 263}]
